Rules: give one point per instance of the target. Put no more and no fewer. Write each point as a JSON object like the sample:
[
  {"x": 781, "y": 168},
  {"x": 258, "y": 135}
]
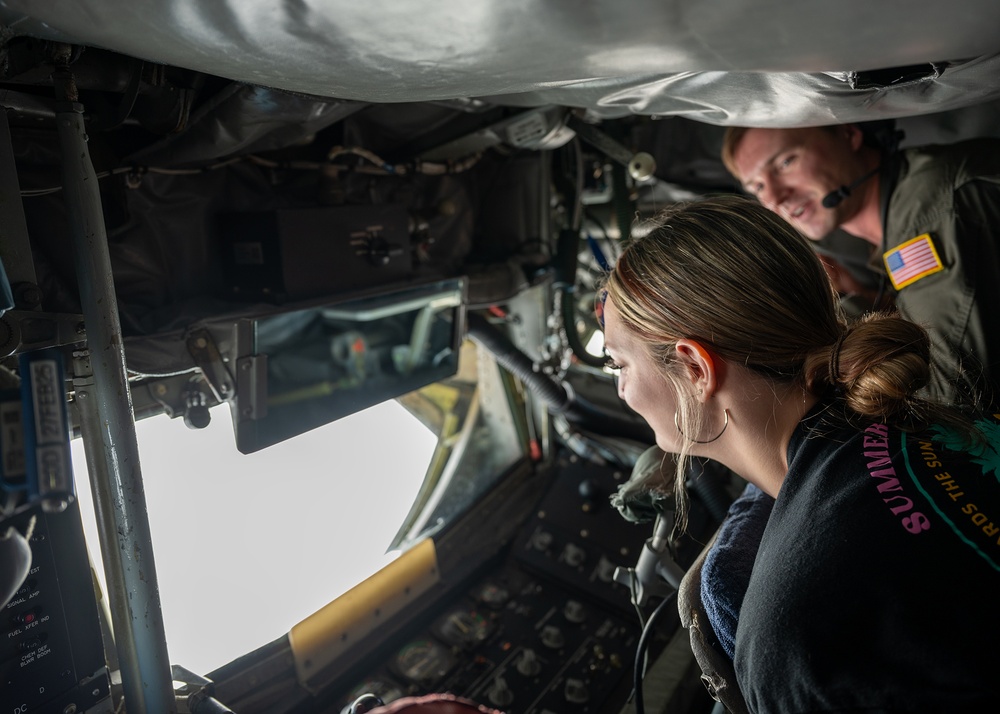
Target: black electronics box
[
  {"x": 301, "y": 253},
  {"x": 51, "y": 643}
]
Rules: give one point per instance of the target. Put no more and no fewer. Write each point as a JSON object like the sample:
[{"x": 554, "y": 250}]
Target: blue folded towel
[{"x": 725, "y": 573}]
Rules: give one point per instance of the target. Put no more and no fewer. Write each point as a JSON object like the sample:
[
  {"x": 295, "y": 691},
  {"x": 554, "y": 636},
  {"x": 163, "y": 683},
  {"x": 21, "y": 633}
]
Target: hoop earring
[{"x": 696, "y": 441}]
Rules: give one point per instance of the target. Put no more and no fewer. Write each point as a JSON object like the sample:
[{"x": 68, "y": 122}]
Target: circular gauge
[
  {"x": 424, "y": 662},
  {"x": 465, "y": 628}
]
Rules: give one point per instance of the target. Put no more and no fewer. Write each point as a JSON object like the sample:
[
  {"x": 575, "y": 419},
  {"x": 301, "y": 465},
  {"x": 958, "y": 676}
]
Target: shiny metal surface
[
  {"x": 108, "y": 432},
  {"x": 721, "y": 61}
]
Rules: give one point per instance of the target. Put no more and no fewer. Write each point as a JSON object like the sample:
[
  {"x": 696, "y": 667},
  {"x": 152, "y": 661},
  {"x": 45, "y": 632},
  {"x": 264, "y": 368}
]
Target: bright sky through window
[{"x": 246, "y": 546}]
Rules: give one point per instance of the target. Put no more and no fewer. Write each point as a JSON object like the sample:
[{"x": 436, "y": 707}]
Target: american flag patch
[{"x": 915, "y": 259}]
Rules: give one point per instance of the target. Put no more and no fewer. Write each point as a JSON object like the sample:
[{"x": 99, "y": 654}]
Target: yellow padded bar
[{"x": 328, "y": 633}]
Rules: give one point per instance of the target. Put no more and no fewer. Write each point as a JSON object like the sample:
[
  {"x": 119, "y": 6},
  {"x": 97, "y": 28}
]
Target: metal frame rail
[{"x": 107, "y": 423}]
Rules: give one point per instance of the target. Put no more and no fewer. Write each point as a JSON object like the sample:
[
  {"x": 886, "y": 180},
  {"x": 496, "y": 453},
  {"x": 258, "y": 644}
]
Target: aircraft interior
[{"x": 285, "y": 215}]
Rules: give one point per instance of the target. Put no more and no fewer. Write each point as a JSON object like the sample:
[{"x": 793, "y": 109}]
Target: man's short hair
[
  {"x": 875, "y": 134},
  {"x": 730, "y": 141}
]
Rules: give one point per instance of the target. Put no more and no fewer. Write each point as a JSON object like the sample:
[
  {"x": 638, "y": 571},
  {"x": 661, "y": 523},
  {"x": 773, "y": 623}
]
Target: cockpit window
[
  {"x": 484, "y": 430},
  {"x": 247, "y": 545}
]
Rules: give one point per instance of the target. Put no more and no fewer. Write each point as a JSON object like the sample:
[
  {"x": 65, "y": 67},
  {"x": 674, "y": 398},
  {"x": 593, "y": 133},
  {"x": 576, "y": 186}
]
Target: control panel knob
[
  {"x": 27, "y": 617},
  {"x": 552, "y": 637},
  {"x": 576, "y": 691},
  {"x": 574, "y": 611},
  {"x": 500, "y": 693},
  {"x": 589, "y": 489},
  {"x": 606, "y": 570},
  {"x": 528, "y": 664},
  {"x": 541, "y": 540},
  {"x": 574, "y": 555}
]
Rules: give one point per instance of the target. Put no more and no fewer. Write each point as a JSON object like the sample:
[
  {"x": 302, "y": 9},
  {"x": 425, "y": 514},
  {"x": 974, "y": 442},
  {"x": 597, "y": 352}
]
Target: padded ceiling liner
[{"x": 759, "y": 62}]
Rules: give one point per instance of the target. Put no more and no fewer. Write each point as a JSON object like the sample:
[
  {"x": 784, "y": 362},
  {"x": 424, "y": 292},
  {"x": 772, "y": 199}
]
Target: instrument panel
[
  {"x": 546, "y": 629},
  {"x": 515, "y": 642},
  {"x": 52, "y": 653}
]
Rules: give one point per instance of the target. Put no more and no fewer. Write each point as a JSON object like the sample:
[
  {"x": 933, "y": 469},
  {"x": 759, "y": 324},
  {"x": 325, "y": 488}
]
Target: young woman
[{"x": 875, "y": 584}]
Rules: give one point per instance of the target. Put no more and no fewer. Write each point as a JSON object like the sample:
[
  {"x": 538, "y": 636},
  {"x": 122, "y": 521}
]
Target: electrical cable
[
  {"x": 192, "y": 171},
  {"x": 380, "y": 167},
  {"x": 577, "y": 216},
  {"x": 367, "y": 155},
  {"x": 30, "y": 193},
  {"x": 430, "y": 168},
  {"x": 633, "y": 587},
  {"x": 599, "y": 256},
  {"x": 160, "y": 375},
  {"x": 640, "y": 653}
]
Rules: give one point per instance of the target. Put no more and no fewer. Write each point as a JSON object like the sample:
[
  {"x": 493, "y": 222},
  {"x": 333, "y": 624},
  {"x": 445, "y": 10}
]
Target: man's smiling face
[{"x": 791, "y": 170}]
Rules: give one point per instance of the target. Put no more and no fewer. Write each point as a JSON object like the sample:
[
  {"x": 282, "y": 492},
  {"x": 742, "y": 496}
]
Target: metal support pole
[{"x": 108, "y": 432}]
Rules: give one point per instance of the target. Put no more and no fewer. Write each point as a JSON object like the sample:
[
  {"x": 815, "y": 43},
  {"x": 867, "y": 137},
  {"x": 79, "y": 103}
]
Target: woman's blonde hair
[{"x": 732, "y": 275}]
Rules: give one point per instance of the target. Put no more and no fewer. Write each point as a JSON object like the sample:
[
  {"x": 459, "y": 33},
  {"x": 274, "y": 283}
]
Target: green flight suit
[{"x": 952, "y": 194}]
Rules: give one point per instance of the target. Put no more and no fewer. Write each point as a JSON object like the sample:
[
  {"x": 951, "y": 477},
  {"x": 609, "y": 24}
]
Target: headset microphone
[{"x": 833, "y": 199}]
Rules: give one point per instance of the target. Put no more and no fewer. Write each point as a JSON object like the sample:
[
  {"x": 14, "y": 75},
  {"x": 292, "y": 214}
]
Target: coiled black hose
[
  {"x": 555, "y": 395},
  {"x": 565, "y": 264}
]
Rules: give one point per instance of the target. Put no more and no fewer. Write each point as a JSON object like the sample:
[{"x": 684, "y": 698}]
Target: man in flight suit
[
  {"x": 931, "y": 218},
  {"x": 931, "y": 215}
]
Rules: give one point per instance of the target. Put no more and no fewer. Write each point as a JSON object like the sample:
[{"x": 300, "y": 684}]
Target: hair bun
[{"x": 881, "y": 362}]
